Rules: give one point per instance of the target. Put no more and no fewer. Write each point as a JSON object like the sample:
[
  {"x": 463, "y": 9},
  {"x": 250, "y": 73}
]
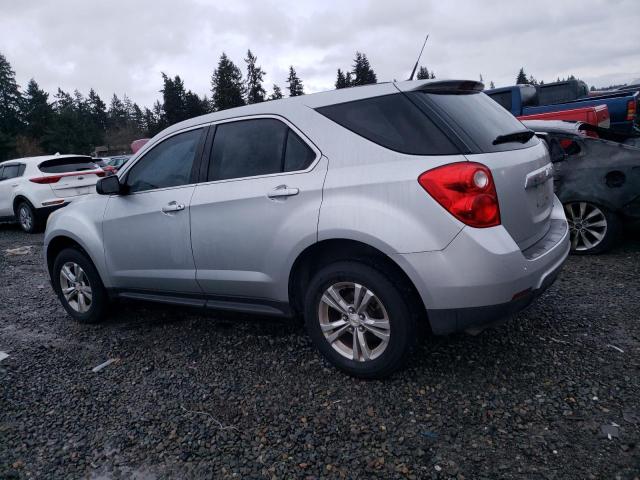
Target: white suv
[{"x": 31, "y": 188}]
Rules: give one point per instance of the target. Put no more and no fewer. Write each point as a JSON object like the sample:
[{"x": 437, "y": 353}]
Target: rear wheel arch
[
  {"x": 18, "y": 200},
  {"x": 325, "y": 252}
]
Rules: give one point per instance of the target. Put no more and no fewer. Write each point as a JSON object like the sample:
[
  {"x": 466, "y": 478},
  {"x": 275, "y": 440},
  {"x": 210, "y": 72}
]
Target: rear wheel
[
  {"x": 78, "y": 286},
  {"x": 593, "y": 229},
  {"x": 27, "y": 218},
  {"x": 359, "y": 320}
]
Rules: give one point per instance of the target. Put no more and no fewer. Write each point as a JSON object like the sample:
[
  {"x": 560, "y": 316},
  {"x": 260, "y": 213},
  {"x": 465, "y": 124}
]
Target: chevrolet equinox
[{"x": 368, "y": 211}]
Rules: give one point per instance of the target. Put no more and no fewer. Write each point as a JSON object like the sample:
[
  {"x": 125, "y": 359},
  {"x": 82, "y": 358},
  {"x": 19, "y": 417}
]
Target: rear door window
[
  {"x": 261, "y": 146},
  {"x": 10, "y": 171},
  {"x": 478, "y": 118},
  {"x": 65, "y": 165},
  {"x": 394, "y": 122}
]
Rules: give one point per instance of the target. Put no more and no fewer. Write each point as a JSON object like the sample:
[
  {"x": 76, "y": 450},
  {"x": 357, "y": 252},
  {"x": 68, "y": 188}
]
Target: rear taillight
[
  {"x": 45, "y": 180},
  {"x": 466, "y": 190},
  {"x": 631, "y": 110}
]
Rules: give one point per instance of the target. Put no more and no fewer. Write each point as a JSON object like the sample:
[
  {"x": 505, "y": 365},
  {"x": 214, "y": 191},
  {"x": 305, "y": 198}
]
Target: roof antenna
[{"x": 413, "y": 72}]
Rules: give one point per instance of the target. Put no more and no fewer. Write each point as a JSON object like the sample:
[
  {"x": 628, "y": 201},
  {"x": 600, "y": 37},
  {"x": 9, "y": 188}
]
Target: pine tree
[
  {"x": 532, "y": 80},
  {"x": 37, "y": 112},
  {"x": 348, "y": 80},
  {"x": 295, "y": 84},
  {"x": 63, "y": 135},
  {"x": 362, "y": 70},
  {"x": 10, "y": 109},
  {"x": 227, "y": 87},
  {"x": 341, "y": 80},
  {"x": 174, "y": 99},
  {"x": 522, "y": 78},
  {"x": 277, "y": 93},
  {"x": 423, "y": 74},
  {"x": 492, "y": 85},
  {"x": 255, "y": 74},
  {"x": 98, "y": 111},
  {"x": 117, "y": 113},
  {"x": 194, "y": 105}
]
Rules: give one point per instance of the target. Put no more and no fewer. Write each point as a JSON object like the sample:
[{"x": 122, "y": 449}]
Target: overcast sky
[{"x": 122, "y": 46}]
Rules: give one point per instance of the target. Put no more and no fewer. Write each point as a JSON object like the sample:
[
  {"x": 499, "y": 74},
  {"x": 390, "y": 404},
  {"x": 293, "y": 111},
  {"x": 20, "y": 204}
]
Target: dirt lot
[{"x": 554, "y": 394}]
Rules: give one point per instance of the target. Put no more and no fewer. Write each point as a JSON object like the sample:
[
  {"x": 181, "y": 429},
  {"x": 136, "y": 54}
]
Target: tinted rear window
[
  {"x": 478, "y": 117},
  {"x": 70, "y": 164},
  {"x": 394, "y": 122}
]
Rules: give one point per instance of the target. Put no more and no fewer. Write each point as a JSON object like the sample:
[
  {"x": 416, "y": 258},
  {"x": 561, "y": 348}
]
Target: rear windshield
[
  {"x": 478, "y": 118},
  {"x": 394, "y": 122},
  {"x": 69, "y": 164}
]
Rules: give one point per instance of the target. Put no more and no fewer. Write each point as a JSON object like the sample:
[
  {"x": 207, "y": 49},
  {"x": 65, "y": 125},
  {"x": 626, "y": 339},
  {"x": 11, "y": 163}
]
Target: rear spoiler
[{"x": 450, "y": 86}]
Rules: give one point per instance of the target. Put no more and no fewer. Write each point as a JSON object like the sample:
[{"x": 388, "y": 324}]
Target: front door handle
[
  {"x": 282, "y": 191},
  {"x": 172, "y": 207}
]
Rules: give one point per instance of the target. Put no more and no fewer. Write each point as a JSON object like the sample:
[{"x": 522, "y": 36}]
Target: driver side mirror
[{"x": 110, "y": 186}]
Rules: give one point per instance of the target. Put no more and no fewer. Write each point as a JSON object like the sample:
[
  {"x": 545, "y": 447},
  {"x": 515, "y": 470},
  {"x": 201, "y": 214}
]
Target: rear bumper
[
  {"x": 483, "y": 276},
  {"x": 44, "y": 212},
  {"x": 445, "y": 321}
]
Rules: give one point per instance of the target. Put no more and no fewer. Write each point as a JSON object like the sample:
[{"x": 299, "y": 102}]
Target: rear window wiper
[{"x": 522, "y": 136}]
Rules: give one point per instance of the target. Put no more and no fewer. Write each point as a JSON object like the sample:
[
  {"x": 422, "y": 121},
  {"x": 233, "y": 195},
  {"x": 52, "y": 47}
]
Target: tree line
[{"x": 34, "y": 122}]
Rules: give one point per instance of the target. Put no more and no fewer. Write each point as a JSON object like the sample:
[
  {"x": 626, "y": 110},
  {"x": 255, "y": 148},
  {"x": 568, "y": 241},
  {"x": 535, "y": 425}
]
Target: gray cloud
[{"x": 122, "y": 46}]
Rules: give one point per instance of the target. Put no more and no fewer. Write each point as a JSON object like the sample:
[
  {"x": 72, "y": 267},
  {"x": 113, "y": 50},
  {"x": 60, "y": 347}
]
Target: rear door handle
[
  {"x": 172, "y": 207},
  {"x": 282, "y": 191}
]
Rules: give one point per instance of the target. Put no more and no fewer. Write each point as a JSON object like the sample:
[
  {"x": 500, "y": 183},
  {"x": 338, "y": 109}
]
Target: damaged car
[{"x": 597, "y": 179}]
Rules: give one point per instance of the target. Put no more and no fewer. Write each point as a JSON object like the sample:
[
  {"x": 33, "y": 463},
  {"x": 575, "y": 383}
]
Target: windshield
[{"x": 480, "y": 119}]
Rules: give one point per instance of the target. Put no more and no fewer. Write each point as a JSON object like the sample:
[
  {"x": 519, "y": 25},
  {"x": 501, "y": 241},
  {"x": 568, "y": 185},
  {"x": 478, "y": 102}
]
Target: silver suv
[{"x": 367, "y": 210}]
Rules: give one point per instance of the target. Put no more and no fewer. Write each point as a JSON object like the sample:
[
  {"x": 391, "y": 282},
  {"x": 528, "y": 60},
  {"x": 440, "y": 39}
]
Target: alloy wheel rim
[
  {"x": 587, "y": 225},
  {"x": 25, "y": 218},
  {"x": 75, "y": 287},
  {"x": 354, "y": 321}
]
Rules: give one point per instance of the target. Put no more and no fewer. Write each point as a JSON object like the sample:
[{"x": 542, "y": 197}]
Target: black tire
[
  {"x": 611, "y": 235},
  {"x": 99, "y": 304},
  {"x": 402, "y": 333},
  {"x": 28, "y": 218}
]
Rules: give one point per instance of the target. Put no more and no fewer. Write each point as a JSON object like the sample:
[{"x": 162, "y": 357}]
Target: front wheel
[
  {"x": 593, "y": 229},
  {"x": 78, "y": 286},
  {"x": 359, "y": 320}
]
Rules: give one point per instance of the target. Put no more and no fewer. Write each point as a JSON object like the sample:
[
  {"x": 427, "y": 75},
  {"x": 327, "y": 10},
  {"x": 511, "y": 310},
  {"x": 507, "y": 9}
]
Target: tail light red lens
[
  {"x": 45, "y": 180},
  {"x": 466, "y": 190},
  {"x": 631, "y": 110}
]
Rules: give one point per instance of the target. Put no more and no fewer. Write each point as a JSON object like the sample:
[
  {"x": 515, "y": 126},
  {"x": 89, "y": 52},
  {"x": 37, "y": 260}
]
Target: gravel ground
[{"x": 554, "y": 394}]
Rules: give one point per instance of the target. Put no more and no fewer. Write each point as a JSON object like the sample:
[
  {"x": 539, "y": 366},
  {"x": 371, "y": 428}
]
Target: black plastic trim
[{"x": 250, "y": 305}]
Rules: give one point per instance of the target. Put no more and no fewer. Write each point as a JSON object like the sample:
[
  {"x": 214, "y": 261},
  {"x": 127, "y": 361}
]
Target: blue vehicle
[{"x": 523, "y": 100}]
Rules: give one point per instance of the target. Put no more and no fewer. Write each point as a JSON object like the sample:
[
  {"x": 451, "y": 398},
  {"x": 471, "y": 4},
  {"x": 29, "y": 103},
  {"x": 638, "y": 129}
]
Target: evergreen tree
[
  {"x": 98, "y": 111},
  {"x": 37, "y": 112},
  {"x": 348, "y": 79},
  {"x": 362, "y": 71},
  {"x": 341, "y": 80},
  {"x": 117, "y": 113},
  {"x": 174, "y": 99},
  {"x": 423, "y": 74},
  {"x": 532, "y": 80},
  {"x": 63, "y": 135},
  {"x": 194, "y": 105},
  {"x": 492, "y": 85},
  {"x": 277, "y": 93},
  {"x": 227, "y": 87},
  {"x": 10, "y": 109},
  {"x": 295, "y": 84},
  {"x": 522, "y": 78},
  {"x": 255, "y": 74}
]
